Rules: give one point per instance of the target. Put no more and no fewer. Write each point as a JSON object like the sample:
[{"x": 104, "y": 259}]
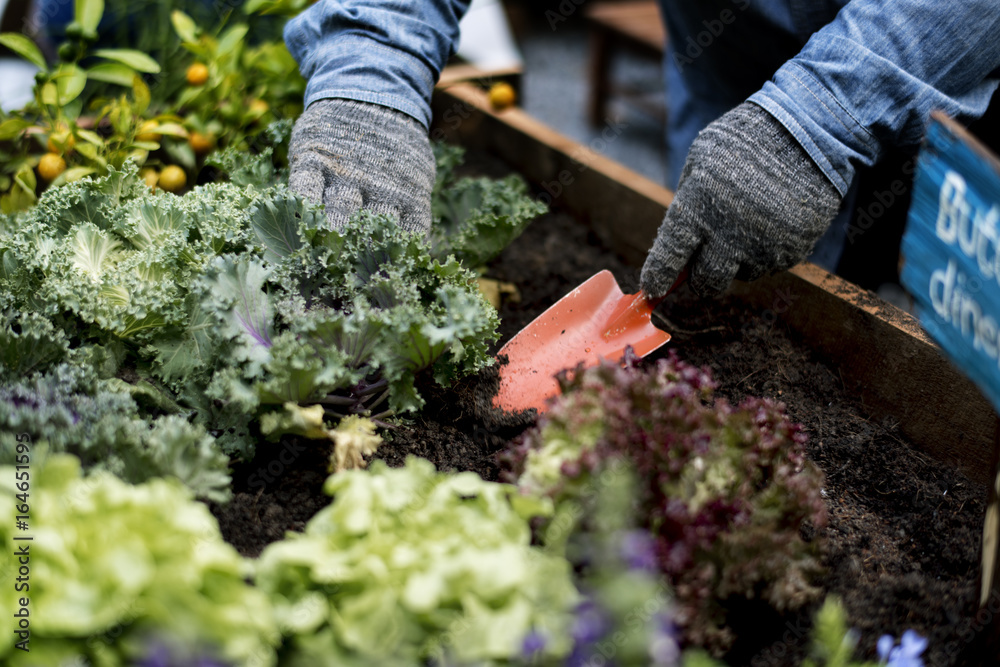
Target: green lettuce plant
[
  {"x": 726, "y": 490},
  {"x": 113, "y": 566},
  {"x": 409, "y": 565}
]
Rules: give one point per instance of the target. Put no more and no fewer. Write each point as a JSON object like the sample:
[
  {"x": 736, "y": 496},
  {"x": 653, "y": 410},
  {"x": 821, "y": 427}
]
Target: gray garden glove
[
  {"x": 750, "y": 202},
  {"x": 350, "y": 155}
]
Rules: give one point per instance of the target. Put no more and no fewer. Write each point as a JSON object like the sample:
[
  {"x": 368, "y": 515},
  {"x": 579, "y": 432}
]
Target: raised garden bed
[
  {"x": 903, "y": 532},
  {"x": 904, "y": 487}
]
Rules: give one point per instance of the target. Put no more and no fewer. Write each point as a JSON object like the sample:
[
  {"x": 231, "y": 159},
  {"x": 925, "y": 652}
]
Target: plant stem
[
  {"x": 379, "y": 400},
  {"x": 333, "y": 399},
  {"x": 372, "y": 388}
]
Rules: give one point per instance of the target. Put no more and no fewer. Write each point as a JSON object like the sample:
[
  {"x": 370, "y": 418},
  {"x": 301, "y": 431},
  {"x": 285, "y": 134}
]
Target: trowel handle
[
  {"x": 638, "y": 304},
  {"x": 653, "y": 303}
]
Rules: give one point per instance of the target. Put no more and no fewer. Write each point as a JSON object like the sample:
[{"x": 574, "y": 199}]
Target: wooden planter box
[{"x": 881, "y": 352}]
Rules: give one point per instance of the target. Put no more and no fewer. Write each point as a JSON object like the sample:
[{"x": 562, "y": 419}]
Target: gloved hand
[
  {"x": 350, "y": 155},
  {"x": 750, "y": 201}
]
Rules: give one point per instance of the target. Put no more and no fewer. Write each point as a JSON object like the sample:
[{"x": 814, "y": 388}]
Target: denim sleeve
[
  {"x": 870, "y": 78},
  {"x": 387, "y": 52}
]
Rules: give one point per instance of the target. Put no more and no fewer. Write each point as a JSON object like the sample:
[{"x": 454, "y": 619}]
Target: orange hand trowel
[{"x": 594, "y": 321}]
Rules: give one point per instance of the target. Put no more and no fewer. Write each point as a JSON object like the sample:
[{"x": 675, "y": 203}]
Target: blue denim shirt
[
  {"x": 387, "y": 52},
  {"x": 848, "y": 79}
]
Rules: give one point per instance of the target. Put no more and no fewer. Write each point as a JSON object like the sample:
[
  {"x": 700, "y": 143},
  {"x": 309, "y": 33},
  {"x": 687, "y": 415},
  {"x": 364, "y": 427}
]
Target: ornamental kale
[
  {"x": 344, "y": 320},
  {"x": 103, "y": 259},
  {"x": 726, "y": 490},
  {"x": 408, "y": 565},
  {"x": 114, "y": 564},
  {"x": 67, "y": 409},
  {"x": 234, "y": 300},
  {"x": 476, "y": 218}
]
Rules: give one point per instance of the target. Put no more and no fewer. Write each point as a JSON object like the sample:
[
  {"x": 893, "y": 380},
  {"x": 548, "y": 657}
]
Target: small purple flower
[
  {"x": 590, "y": 624},
  {"x": 907, "y": 654},
  {"x": 664, "y": 648},
  {"x": 638, "y": 550},
  {"x": 534, "y": 642},
  {"x": 158, "y": 656}
]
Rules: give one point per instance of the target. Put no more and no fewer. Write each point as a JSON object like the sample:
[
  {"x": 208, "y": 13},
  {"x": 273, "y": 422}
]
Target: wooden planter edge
[{"x": 881, "y": 353}]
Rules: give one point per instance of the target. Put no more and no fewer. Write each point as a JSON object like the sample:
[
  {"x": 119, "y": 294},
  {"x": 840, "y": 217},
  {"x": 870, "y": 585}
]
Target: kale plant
[
  {"x": 68, "y": 409},
  {"x": 343, "y": 319},
  {"x": 726, "y": 490},
  {"x": 235, "y": 300},
  {"x": 100, "y": 272},
  {"x": 476, "y": 218}
]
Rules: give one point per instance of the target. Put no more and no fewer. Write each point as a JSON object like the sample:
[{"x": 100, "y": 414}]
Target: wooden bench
[{"x": 633, "y": 25}]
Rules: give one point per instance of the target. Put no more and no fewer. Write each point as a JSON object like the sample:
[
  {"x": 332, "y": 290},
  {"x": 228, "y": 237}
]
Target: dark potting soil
[{"x": 904, "y": 531}]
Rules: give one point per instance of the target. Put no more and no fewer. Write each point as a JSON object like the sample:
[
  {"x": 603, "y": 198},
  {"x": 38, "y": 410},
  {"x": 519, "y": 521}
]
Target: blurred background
[
  {"x": 587, "y": 68},
  {"x": 545, "y": 47}
]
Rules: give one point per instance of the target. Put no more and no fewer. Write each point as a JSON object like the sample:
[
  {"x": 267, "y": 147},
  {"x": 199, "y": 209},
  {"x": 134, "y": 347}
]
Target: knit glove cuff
[
  {"x": 750, "y": 202},
  {"x": 350, "y": 155}
]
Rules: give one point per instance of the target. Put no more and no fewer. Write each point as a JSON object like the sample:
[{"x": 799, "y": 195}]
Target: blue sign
[{"x": 952, "y": 251}]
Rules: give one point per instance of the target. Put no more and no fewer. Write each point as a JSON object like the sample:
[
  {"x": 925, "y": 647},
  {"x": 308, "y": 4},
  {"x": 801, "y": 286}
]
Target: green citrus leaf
[
  {"x": 137, "y": 60},
  {"x": 89, "y": 13},
  {"x": 186, "y": 28},
  {"x": 232, "y": 38},
  {"x": 12, "y": 127},
  {"x": 140, "y": 92},
  {"x": 116, "y": 73},
  {"x": 70, "y": 81},
  {"x": 24, "y": 47}
]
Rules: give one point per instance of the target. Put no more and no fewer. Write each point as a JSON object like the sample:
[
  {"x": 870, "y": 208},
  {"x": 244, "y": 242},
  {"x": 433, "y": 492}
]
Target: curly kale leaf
[
  {"x": 245, "y": 168},
  {"x": 234, "y": 292},
  {"x": 279, "y": 222},
  {"x": 29, "y": 343},
  {"x": 185, "y": 352},
  {"x": 476, "y": 218},
  {"x": 447, "y": 158},
  {"x": 70, "y": 410}
]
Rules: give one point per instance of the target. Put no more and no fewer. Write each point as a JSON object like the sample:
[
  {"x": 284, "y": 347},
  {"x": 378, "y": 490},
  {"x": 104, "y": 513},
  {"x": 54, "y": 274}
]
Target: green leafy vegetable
[
  {"x": 112, "y": 563},
  {"x": 235, "y": 299},
  {"x": 408, "y": 564},
  {"x": 344, "y": 319},
  {"x": 726, "y": 490},
  {"x": 476, "y": 218},
  {"x": 68, "y": 409}
]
